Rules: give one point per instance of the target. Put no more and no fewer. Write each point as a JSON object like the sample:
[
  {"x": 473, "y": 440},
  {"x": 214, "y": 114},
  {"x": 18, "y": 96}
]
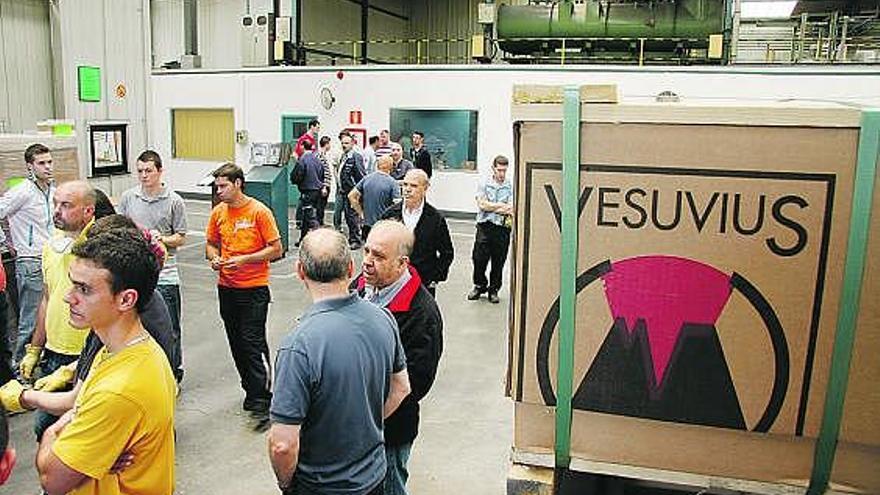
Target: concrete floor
[{"x": 466, "y": 426}]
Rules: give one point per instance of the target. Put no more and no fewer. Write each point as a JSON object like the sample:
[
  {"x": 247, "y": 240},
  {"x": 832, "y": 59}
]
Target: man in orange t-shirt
[{"x": 242, "y": 238}]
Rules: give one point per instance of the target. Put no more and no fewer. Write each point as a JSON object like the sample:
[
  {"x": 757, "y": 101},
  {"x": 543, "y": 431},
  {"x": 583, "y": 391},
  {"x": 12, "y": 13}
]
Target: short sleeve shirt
[
  {"x": 165, "y": 213},
  {"x": 126, "y": 405},
  {"x": 492, "y": 191},
  {"x": 243, "y": 230},
  {"x": 333, "y": 374},
  {"x": 378, "y": 191},
  {"x": 61, "y": 337}
]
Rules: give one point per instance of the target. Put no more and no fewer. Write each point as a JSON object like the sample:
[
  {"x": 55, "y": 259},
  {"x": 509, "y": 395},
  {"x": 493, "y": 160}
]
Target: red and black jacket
[{"x": 421, "y": 334}]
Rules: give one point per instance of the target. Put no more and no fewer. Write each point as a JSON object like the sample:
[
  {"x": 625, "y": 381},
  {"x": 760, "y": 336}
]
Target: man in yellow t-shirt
[
  {"x": 126, "y": 404},
  {"x": 54, "y": 339}
]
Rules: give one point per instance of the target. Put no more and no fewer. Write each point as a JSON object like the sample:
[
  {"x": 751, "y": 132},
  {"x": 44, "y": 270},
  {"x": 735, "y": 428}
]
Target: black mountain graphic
[{"x": 696, "y": 388}]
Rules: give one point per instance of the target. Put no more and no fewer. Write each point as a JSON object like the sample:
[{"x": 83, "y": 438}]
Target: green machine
[
  {"x": 269, "y": 185},
  {"x": 621, "y": 29}
]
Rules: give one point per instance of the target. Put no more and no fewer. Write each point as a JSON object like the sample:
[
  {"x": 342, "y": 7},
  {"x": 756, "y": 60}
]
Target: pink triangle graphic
[{"x": 665, "y": 292}]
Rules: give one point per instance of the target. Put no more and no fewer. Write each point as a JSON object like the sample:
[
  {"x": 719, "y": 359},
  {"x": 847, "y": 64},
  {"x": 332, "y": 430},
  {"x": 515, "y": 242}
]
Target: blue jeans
[
  {"x": 396, "y": 475},
  {"x": 29, "y": 281},
  {"x": 6, "y": 372},
  {"x": 51, "y": 362},
  {"x": 171, "y": 296},
  {"x": 338, "y": 210}
]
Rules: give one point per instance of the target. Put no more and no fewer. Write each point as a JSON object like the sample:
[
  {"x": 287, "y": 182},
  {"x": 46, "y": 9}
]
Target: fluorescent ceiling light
[{"x": 766, "y": 10}]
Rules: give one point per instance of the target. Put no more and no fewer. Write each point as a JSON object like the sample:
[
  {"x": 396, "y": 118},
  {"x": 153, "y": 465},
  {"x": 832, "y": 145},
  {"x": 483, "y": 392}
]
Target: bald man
[
  {"x": 432, "y": 252},
  {"x": 389, "y": 282},
  {"x": 56, "y": 342},
  {"x": 374, "y": 194},
  {"x": 338, "y": 375}
]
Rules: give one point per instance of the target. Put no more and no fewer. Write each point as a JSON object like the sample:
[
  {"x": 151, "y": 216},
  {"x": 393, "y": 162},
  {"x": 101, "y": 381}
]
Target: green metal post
[
  {"x": 571, "y": 123},
  {"x": 853, "y": 273}
]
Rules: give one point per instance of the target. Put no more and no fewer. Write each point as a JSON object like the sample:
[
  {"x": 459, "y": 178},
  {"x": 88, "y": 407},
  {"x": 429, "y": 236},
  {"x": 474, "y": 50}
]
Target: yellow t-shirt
[
  {"x": 126, "y": 405},
  {"x": 61, "y": 337}
]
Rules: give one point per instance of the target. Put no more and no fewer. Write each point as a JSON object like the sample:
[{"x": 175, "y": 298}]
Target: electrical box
[
  {"x": 486, "y": 13},
  {"x": 257, "y": 32},
  {"x": 268, "y": 184}
]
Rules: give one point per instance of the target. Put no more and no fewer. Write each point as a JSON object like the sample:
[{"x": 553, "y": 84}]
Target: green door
[{"x": 292, "y": 127}]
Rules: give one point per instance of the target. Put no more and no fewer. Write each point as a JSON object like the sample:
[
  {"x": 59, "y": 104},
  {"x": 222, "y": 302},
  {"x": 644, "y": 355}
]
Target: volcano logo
[{"x": 662, "y": 358}]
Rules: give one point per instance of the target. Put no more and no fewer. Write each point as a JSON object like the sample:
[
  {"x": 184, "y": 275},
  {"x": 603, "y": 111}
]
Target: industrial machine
[{"x": 687, "y": 31}]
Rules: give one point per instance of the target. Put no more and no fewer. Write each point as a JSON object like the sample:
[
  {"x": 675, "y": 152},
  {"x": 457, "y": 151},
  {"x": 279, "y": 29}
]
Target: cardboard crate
[{"x": 709, "y": 273}]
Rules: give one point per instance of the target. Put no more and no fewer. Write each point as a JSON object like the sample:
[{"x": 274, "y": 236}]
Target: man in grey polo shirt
[
  {"x": 374, "y": 194},
  {"x": 338, "y": 376},
  {"x": 154, "y": 206}
]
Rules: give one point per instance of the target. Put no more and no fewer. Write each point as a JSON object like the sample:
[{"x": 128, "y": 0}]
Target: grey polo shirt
[
  {"x": 333, "y": 374},
  {"x": 378, "y": 191},
  {"x": 165, "y": 213}
]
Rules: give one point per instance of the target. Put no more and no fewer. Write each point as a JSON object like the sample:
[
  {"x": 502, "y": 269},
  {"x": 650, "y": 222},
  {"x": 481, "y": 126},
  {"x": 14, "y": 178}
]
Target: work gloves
[
  {"x": 29, "y": 361},
  {"x": 10, "y": 396},
  {"x": 58, "y": 380}
]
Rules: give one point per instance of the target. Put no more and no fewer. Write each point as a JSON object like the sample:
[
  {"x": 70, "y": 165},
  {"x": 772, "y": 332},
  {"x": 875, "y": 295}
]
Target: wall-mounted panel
[{"x": 25, "y": 65}]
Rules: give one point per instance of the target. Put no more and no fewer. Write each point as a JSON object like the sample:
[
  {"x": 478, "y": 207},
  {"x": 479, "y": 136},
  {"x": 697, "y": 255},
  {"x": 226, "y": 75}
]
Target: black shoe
[
  {"x": 474, "y": 294},
  {"x": 261, "y": 421},
  {"x": 493, "y": 298},
  {"x": 354, "y": 246}
]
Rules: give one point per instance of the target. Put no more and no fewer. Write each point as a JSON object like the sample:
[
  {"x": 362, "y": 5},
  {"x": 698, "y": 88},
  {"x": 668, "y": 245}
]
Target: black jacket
[
  {"x": 422, "y": 159},
  {"x": 432, "y": 252},
  {"x": 421, "y": 334},
  {"x": 351, "y": 172}
]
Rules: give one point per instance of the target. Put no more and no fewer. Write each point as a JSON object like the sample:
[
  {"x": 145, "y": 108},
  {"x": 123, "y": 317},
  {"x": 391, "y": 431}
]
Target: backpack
[{"x": 298, "y": 174}]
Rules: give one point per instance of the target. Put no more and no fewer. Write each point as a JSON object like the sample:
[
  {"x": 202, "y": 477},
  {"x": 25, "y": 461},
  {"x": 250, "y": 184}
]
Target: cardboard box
[{"x": 710, "y": 265}]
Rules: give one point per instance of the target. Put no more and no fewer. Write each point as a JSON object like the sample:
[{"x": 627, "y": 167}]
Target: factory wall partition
[{"x": 711, "y": 306}]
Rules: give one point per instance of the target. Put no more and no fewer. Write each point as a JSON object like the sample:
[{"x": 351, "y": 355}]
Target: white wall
[
  {"x": 261, "y": 97},
  {"x": 26, "y": 94}
]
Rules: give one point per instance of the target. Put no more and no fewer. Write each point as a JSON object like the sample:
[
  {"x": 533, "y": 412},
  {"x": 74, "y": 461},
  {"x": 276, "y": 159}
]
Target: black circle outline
[{"x": 737, "y": 282}]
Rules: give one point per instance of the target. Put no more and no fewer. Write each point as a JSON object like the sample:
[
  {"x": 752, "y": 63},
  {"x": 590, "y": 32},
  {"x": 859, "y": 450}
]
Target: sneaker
[
  {"x": 493, "y": 298},
  {"x": 474, "y": 294}
]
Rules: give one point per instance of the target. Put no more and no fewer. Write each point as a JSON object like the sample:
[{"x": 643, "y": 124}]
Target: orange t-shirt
[{"x": 243, "y": 230}]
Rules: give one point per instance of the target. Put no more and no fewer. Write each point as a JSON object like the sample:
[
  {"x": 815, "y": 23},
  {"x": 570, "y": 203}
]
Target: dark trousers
[
  {"x": 365, "y": 231},
  {"x": 244, "y": 314},
  {"x": 6, "y": 373},
  {"x": 353, "y": 220},
  {"x": 322, "y": 207},
  {"x": 338, "y": 208},
  {"x": 310, "y": 201},
  {"x": 490, "y": 245},
  {"x": 171, "y": 296},
  {"x": 51, "y": 362}
]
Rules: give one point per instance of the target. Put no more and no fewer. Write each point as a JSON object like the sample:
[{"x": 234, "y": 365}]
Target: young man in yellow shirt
[{"x": 126, "y": 404}]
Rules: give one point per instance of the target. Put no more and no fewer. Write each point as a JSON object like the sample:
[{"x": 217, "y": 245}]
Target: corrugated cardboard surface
[{"x": 800, "y": 178}]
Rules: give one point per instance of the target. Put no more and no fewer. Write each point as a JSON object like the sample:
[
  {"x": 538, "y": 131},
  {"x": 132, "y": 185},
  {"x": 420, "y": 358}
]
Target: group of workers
[{"x": 98, "y": 348}]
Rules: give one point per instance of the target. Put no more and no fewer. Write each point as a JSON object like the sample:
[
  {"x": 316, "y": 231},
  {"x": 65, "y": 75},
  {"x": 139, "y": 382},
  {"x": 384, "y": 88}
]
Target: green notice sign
[{"x": 89, "y": 79}]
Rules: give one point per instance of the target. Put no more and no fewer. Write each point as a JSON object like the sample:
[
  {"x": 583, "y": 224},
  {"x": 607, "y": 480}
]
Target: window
[
  {"x": 203, "y": 134},
  {"x": 450, "y": 135}
]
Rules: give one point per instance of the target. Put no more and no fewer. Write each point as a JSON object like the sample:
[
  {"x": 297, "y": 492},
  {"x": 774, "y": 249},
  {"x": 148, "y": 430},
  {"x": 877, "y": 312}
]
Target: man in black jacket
[
  {"x": 432, "y": 253},
  {"x": 388, "y": 281},
  {"x": 419, "y": 154},
  {"x": 350, "y": 173}
]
